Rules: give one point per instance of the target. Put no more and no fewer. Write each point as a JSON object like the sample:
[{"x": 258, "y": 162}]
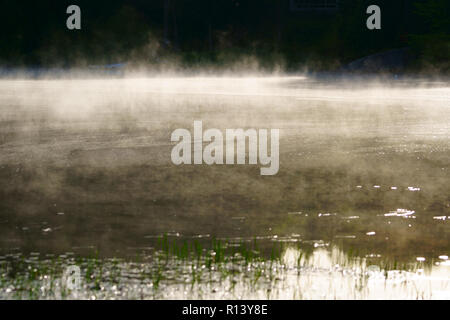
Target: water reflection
[{"x": 320, "y": 273}]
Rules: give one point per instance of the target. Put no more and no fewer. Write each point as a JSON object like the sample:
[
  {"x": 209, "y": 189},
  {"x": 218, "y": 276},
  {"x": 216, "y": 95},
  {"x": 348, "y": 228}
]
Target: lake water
[{"x": 360, "y": 207}]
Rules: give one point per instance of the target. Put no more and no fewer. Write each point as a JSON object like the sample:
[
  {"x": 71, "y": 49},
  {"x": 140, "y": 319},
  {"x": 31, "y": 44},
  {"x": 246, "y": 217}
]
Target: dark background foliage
[{"x": 34, "y": 33}]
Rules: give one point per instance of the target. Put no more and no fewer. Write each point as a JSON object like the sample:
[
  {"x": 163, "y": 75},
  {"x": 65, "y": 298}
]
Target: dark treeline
[{"x": 34, "y": 33}]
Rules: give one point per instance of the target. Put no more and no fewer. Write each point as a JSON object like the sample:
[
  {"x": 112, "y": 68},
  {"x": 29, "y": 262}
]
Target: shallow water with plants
[
  {"x": 359, "y": 209},
  {"x": 219, "y": 269}
]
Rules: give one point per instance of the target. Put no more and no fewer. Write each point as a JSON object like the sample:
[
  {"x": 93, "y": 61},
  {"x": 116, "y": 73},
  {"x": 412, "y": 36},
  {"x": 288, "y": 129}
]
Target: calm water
[{"x": 86, "y": 176}]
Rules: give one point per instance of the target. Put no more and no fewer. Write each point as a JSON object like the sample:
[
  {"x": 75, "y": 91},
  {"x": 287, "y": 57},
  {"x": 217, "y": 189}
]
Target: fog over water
[{"x": 364, "y": 168}]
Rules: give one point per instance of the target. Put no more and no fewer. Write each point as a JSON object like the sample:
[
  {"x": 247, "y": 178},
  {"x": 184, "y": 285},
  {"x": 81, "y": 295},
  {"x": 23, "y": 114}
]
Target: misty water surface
[{"x": 364, "y": 167}]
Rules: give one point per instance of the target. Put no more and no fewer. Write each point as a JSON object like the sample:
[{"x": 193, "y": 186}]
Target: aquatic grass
[{"x": 194, "y": 268}]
